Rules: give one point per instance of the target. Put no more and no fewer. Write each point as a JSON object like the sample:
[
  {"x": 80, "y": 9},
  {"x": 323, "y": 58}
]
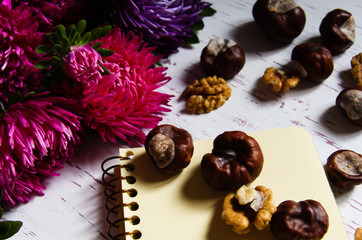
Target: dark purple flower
[
  {"x": 165, "y": 24},
  {"x": 36, "y": 137}
]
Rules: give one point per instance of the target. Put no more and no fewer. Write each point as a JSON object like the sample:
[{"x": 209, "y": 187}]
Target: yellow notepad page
[{"x": 183, "y": 206}]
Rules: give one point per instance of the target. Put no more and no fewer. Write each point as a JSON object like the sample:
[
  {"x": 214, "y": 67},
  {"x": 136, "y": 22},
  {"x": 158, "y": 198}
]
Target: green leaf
[
  {"x": 104, "y": 52},
  {"x": 60, "y": 30},
  {"x": 77, "y": 38},
  {"x": 85, "y": 38},
  {"x": 9, "y": 228},
  {"x": 105, "y": 70},
  {"x": 207, "y": 11},
  {"x": 81, "y": 26},
  {"x": 96, "y": 45},
  {"x": 54, "y": 38},
  {"x": 71, "y": 31},
  {"x": 106, "y": 29},
  {"x": 56, "y": 59},
  {"x": 197, "y": 26},
  {"x": 192, "y": 40},
  {"x": 43, "y": 49},
  {"x": 43, "y": 64},
  {"x": 95, "y": 34}
]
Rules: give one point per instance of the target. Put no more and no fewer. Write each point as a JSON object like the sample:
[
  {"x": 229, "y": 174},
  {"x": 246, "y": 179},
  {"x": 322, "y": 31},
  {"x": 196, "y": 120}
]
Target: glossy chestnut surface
[
  {"x": 280, "y": 20},
  {"x": 236, "y": 159},
  {"x": 303, "y": 220},
  {"x": 175, "y": 144},
  {"x": 337, "y": 30},
  {"x": 223, "y": 58},
  {"x": 314, "y": 61}
]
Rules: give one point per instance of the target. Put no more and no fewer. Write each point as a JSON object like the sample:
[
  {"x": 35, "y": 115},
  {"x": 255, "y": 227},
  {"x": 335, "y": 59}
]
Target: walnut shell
[
  {"x": 236, "y": 159},
  {"x": 304, "y": 220}
]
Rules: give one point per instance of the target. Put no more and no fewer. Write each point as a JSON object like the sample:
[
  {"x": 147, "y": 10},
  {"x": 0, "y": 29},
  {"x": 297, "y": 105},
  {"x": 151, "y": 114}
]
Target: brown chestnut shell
[
  {"x": 341, "y": 171},
  {"x": 281, "y": 27},
  {"x": 303, "y": 220},
  {"x": 334, "y": 28},
  {"x": 350, "y": 104},
  {"x": 225, "y": 63},
  {"x": 236, "y": 159},
  {"x": 314, "y": 61},
  {"x": 184, "y": 147}
]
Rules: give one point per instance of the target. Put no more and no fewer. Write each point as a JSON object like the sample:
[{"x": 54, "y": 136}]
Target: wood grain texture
[{"x": 73, "y": 204}]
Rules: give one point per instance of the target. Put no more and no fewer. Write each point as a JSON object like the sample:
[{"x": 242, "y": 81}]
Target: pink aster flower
[
  {"x": 124, "y": 102},
  {"x": 19, "y": 36},
  {"x": 82, "y": 64},
  {"x": 36, "y": 136}
]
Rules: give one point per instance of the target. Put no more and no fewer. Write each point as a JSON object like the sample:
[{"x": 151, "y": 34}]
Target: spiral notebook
[{"x": 143, "y": 203}]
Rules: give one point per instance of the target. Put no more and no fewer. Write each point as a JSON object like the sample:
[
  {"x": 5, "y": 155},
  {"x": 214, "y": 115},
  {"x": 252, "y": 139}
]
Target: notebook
[{"x": 183, "y": 206}]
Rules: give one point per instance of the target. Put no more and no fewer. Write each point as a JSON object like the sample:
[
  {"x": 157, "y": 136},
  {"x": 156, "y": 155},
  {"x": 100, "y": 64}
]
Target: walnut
[
  {"x": 358, "y": 234},
  {"x": 206, "y": 94},
  {"x": 279, "y": 80},
  {"x": 247, "y": 208},
  {"x": 356, "y": 70}
]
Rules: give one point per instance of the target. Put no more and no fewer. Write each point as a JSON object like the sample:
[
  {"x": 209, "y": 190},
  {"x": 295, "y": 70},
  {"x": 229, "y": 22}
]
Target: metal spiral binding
[{"x": 114, "y": 204}]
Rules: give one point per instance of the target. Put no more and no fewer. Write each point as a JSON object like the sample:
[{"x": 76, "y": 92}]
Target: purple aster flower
[
  {"x": 19, "y": 36},
  {"x": 126, "y": 100},
  {"x": 165, "y": 24},
  {"x": 82, "y": 64},
  {"x": 36, "y": 136}
]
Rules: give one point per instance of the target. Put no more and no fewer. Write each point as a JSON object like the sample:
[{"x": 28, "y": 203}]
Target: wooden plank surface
[{"x": 73, "y": 204}]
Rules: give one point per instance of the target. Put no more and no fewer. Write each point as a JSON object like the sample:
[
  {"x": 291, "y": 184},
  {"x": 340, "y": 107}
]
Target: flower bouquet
[{"x": 59, "y": 77}]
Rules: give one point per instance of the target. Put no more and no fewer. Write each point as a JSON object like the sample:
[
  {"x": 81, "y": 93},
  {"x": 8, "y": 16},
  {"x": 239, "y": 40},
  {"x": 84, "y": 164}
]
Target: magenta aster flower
[
  {"x": 36, "y": 136},
  {"x": 165, "y": 24},
  {"x": 82, "y": 64},
  {"x": 126, "y": 100},
  {"x": 19, "y": 36}
]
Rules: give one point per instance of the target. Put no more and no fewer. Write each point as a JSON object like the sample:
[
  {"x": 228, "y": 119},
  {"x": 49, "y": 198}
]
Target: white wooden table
[{"x": 73, "y": 204}]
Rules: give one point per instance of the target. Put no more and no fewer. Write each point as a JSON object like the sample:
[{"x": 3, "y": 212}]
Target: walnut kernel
[
  {"x": 206, "y": 94},
  {"x": 257, "y": 210},
  {"x": 279, "y": 80},
  {"x": 356, "y": 70}
]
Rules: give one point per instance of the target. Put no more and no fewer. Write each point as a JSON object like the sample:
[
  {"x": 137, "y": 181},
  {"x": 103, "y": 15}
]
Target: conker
[
  {"x": 304, "y": 220},
  {"x": 314, "y": 61},
  {"x": 349, "y": 101},
  {"x": 344, "y": 168},
  {"x": 338, "y": 30},
  {"x": 236, "y": 159},
  {"x": 223, "y": 58},
  {"x": 170, "y": 148},
  {"x": 280, "y": 20}
]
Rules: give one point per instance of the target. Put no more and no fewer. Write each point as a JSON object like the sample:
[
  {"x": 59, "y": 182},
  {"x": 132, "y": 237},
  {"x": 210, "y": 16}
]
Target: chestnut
[
  {"x": 349, "y": 101},
  {"x": 170, "y": 148},
  {"x": 338, "y": 30},
  {"x": 307, "y": 220},
  {"x": 223, "y": 58},
  {"x": 236, "y": 159},
  {"x": 344, "y": 168},
  {"x": 313, "y": 61},
  {"x": 280, "y": 20}
]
